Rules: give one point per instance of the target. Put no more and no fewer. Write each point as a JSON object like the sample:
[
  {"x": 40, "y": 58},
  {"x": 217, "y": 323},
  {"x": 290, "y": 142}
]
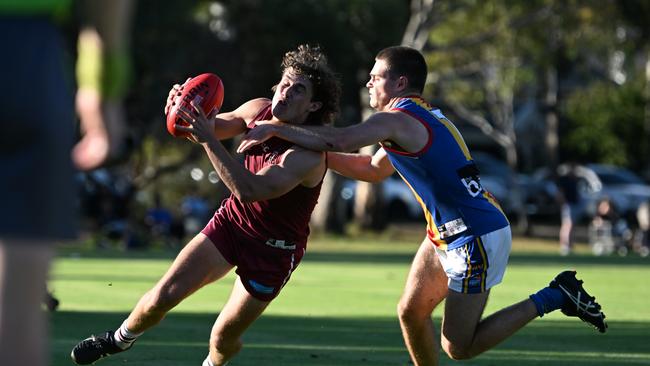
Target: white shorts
[{"x": 478, "y": 265}]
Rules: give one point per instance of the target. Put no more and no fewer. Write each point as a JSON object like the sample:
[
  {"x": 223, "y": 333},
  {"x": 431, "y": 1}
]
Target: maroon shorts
[{"x": 264, "y": 266}]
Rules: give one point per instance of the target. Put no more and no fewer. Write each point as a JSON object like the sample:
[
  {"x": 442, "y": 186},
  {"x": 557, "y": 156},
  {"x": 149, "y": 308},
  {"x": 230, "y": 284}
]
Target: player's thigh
[
  {"x": 240, "y": 311},
  {"x": 197, "y": 264},
  {"x": 426, "y": 284},
  {"x": 462, "y": 315}
]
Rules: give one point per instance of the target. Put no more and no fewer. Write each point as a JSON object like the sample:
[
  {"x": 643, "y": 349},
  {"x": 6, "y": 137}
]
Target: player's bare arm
[
  {"x": 297, "y": 166},
  {"x": 393, "y": 125},
  {"x": 363, "y": 167},
  {"x": 231, "y": 124}
]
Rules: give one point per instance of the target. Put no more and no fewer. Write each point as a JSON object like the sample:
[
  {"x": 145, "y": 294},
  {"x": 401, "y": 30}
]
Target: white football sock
[
  {"x": 124, "y": 338},
  {"x": 207, "y": 362}
]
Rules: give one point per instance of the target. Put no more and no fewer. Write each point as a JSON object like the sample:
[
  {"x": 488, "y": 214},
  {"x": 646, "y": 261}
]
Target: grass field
[{"x": 339, "y": 308}]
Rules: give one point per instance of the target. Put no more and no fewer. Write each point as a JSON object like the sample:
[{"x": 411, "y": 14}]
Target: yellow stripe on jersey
[
  {"x": 484, "y": 260},
  {"x": 457, "y": 136},
  {"x": 488, "y": 196},
  {"x": 432, "y": 228},
  {"x": 420, "y": 102}
]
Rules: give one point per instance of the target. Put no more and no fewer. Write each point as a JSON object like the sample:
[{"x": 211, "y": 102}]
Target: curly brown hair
[{"x": 311, "y": 62}]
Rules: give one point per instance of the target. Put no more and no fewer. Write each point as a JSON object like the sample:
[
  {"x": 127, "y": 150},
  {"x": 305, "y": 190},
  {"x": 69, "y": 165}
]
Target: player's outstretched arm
[
  {"x": 379, "y": 127},
  {"x": 360, "y": 166},
  {"x": 231, "y": 124}
]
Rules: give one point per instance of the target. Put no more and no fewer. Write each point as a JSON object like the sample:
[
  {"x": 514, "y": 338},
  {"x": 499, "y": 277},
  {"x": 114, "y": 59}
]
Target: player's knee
[
  {"x": 404, "y": 311},
  {"x": 225, "y": 346},
  {"x": 160, "y": 300},
  {"x": 408, "y": 312},
  {"x": 455, "y": 351}
]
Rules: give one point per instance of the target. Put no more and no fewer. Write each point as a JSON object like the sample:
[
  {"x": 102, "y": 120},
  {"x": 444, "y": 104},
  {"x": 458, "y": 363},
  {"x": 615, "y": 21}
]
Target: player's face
[
  {"x": 292, "y": 99},
  {"x": 381, "y": 87}
]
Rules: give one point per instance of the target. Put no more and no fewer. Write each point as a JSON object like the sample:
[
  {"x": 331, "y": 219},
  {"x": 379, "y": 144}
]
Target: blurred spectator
[
  {"x": 159, "y": 221},
  {"x": 196, "y": 213},
  {"x": 106, "y": 199},
  {"x": 608, "y": 231},
  {"x": 50, "y": 302},
  {"x": 569, "y": 198},
  {"x": 642, "y": 246},
  {"x": 36, "y": 170}
]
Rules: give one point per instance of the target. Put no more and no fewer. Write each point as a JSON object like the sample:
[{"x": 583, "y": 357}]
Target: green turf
[{"x": 339, "y": 308}]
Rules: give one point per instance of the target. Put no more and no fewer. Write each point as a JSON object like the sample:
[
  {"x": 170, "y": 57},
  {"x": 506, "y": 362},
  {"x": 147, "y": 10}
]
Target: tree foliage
[
  {"x": 493, "y": 62},
  {"x": 605, "y": 125}
]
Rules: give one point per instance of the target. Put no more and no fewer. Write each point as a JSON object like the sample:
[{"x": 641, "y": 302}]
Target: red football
[{"x": 208, "y": 87}]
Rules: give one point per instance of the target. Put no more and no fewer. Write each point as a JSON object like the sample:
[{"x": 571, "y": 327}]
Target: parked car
[
  {"x": 625, "y": 189},
  {"x": 400, "y": 202}
]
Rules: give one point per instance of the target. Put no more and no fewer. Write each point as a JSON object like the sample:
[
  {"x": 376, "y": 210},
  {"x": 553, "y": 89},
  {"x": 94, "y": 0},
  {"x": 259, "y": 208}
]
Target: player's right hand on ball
[{"x": 173, "y": 94}]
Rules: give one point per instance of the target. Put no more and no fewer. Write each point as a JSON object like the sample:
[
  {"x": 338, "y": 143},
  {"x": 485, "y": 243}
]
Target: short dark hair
[
  {"x": 311, "y": 62},
  {"x": 405, "y": 61}
]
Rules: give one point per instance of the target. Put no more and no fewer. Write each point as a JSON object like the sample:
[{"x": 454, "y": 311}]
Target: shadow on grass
[
  {"x": 541, "y": 259},
  {"x": 181, "y": 339},
  {"x": 370, "y": 257}
]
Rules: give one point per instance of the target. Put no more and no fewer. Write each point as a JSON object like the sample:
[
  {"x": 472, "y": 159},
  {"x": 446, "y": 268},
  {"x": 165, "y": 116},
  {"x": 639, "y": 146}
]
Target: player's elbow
[
  {"x": 374, "y": 178},
  {"x": 339, "y": 143},
  {"x": 343, "y": 145},
  {"x": 244, "y": 193},
  {"x": 376, "y": 175},
  {"x": 245, "y": 196},
  {"x": 251, "y": 194}
]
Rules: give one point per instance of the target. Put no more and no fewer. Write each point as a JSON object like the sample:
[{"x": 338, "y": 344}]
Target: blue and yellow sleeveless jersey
[{"x": 445, "y": 180}]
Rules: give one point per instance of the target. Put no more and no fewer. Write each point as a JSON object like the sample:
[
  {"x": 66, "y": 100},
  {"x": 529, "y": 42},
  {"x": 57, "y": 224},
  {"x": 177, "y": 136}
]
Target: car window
[{"x": 619, "y": 177}]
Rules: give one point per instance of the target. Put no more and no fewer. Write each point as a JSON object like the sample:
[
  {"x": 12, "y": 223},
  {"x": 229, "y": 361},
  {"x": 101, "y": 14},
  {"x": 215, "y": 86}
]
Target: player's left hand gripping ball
[{"x": 209, "y": 90}]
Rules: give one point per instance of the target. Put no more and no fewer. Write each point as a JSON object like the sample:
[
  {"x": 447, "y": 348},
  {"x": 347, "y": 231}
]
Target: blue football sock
[{"x": 547, "y": 300}]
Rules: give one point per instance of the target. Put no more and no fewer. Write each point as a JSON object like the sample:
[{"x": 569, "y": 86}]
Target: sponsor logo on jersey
[{"x": 281, "y": 244}]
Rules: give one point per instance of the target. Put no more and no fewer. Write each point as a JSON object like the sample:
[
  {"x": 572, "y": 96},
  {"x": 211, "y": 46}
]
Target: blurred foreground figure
[{"x": 37, "y": 190}]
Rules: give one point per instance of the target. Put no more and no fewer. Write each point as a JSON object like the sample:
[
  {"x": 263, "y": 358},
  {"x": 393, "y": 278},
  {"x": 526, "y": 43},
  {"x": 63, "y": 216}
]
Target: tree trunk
[
  {"x": 551, "y": 138},
  {"x": 416, "y": 33},
  {"x": 646, "y": 117},
  {"x": 369, "y": 205},
  {"x": 330, "y": 214}
]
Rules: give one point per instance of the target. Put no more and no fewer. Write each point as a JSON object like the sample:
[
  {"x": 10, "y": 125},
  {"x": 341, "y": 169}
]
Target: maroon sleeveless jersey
[{"x": 281, "y": 221}]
